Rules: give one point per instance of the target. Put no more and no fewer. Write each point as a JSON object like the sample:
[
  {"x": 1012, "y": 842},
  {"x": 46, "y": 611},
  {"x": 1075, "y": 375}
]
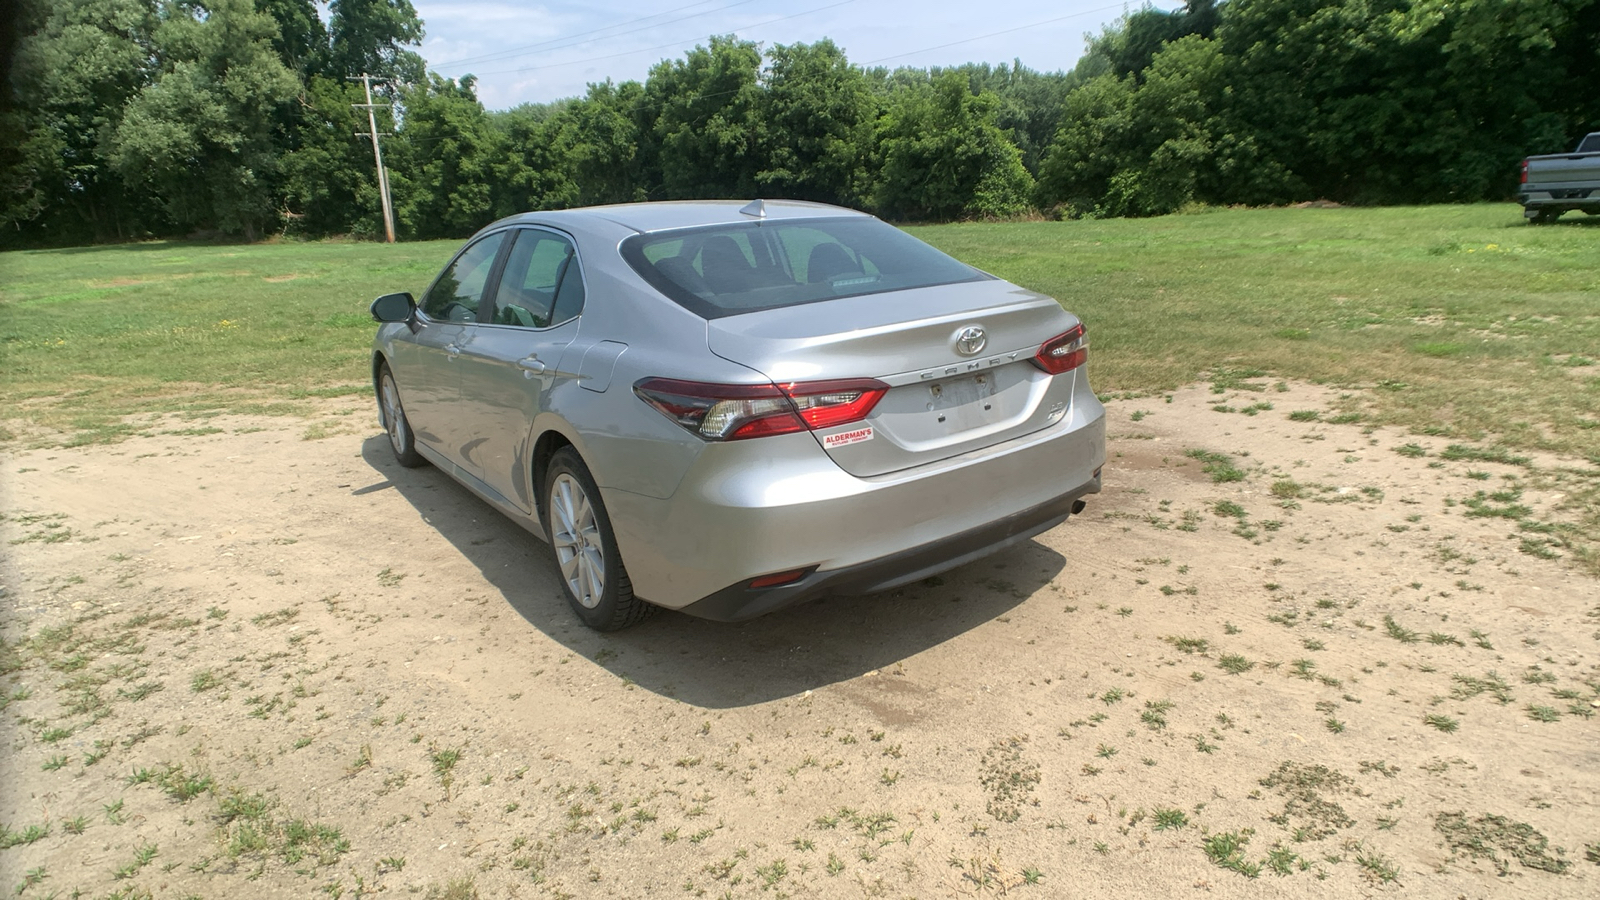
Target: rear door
[
  {"x": 516, "y": 357},
  {"x": 424, "y": 363}
]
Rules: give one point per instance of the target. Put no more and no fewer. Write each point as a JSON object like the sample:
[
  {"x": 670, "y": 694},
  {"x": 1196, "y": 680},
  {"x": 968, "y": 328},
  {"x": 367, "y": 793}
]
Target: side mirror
[{"x": 401, "y": 307}]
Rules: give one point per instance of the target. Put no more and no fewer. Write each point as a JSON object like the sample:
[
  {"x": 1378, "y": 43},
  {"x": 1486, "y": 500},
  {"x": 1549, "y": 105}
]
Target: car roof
[{"x": 665, "y": 215}]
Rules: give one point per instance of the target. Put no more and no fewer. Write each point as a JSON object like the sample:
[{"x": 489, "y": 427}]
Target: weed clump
[
  {"x": 1218, "y": 465},
  {"x": 1480, "y": 838},
  {"x": 1234, "y": 664},
  {"x": 1305, "y": 806},
  {"x": 1226, "y": 849},
  {"x": 1009, "y": 778}
]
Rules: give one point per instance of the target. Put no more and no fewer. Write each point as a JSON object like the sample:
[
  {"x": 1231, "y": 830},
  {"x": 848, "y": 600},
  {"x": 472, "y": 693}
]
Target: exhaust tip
[{"x": 1077, "y": 506}]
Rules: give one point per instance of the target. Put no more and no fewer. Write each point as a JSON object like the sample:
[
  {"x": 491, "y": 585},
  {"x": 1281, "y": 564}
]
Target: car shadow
[
  {"x": 1570, "y": 220},
  {"x": 714, "y": 664}
]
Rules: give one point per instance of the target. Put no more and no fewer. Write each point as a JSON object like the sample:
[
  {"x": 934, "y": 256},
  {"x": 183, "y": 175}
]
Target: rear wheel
[
  {"x": 401, "y": 440},
  {"x": 585, "y": 548},
  {"x": 1545, "y": 216}
]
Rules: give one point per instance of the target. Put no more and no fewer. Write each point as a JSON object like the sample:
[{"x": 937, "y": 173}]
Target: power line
[
  {"x": 678, "y": 43},
  {"x": 991, "y": 34},
  {"x": 514, "y": 52}
]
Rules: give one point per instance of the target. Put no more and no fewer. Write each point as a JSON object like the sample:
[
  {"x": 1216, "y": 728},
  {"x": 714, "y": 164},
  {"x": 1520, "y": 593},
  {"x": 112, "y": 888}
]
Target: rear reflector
[
  {"x": 732, "y": 412},
  {"x": 779, "y": 578},
  {"x": 1064, "y": 352}
]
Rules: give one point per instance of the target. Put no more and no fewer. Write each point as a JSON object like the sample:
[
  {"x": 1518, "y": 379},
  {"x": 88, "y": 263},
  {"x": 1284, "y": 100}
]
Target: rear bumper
[
  {"x": 738, "y": 602},
  {"x": 747, "y": 509},
  {"x": 1561, "y": 197}
]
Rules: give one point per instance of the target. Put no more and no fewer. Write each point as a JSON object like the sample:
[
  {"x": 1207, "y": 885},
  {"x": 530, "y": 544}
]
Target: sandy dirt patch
[{"x": 266, "y": 661}]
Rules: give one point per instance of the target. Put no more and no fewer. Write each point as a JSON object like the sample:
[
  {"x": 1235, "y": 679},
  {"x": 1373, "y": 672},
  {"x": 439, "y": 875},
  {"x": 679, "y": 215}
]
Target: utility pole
[{"x": 377, "y": 154}]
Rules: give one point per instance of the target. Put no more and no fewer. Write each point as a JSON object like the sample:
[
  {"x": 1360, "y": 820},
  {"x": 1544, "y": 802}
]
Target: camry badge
[{"x": 971, "y": 340}]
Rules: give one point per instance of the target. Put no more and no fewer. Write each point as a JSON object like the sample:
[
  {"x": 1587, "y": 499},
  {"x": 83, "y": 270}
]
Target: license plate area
[
  {"x": 965, "y": 402},
  {"x": 956, "y": 392}
]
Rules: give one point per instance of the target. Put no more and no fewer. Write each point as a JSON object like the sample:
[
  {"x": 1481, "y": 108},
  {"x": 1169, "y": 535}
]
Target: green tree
[
  {"x": 302, "y": 39},
  {"x": 943, "y": 157},
  {"x": 535, "y": 171},
  {"x": 817, "y": 115},
  {"x": 73, "y": 77},
  {"x": 444, "y": 160},
  {"x": 573, "y": 153},
  {"x": 706, "y": 136},
  {"x": 1030, "y": 105},
  {"x": 1409, "y": 100},
  {"x": 599, "y": 137},
  {"x": 1128, "y": 46},
  {"x": 1145, "y": 146},
  {"x": 200, "y": 136},
  {"x": 1096, "y": 140},
  {"x": 329, "y": 181},
  {"x": 371, "y": 37}
]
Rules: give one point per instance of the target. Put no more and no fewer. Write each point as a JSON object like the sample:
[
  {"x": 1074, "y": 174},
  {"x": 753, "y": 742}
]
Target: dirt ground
[{"x": 259, "y": 659}]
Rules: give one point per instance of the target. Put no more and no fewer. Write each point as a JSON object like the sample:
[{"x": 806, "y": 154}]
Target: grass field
[{"x": 1469, "y": 323}]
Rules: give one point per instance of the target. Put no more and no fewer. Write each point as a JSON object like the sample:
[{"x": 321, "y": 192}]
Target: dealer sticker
[{"x": 844, "y": 438}]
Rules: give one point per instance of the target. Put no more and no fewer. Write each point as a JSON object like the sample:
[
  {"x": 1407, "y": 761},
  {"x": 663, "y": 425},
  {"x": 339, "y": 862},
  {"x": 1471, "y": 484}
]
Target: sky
[{"x": 537, "y": 52}]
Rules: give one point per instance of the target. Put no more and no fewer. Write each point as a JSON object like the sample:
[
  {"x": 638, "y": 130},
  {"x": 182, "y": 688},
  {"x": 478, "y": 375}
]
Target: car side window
[
  {"x": 457, "y": 293},
  {"x": 541, "y": 285}
]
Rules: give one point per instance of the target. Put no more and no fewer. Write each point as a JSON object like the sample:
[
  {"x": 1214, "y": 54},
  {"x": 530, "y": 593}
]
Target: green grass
[
  {"x": 93, "y": 335},
  {"x": 1336, "y": 295},
  {"x": 1344, "y": 296}
]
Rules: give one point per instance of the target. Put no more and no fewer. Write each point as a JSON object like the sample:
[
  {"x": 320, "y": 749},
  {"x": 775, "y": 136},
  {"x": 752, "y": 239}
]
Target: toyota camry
[{"x": 727, "y": 408}]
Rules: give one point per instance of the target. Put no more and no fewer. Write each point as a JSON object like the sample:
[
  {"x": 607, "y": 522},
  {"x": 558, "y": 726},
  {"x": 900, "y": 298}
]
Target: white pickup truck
[{"x": 1553, "y": 184}]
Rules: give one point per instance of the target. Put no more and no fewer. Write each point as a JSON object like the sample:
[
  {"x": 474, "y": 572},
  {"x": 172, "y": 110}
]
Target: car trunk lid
[{"x": 946, "y": 396}]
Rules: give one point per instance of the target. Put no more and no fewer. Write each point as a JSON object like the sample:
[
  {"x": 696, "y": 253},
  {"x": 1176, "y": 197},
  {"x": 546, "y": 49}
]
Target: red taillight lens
[
  {"x": 1063, "y": 353},
  {"x": 824, "y": 404},
  {"x": 732, "y": 412},
  {"x": 1524, "y": 171},
  {"x": 722, "y": 412}
]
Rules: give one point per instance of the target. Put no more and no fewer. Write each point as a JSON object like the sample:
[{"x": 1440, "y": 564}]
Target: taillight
[
  {"x": 732, "y": 412},
  {"x": 1063, "y": 353},
  {"x": 824, "y": 404},
  {"x": 1524, "y": 171}
]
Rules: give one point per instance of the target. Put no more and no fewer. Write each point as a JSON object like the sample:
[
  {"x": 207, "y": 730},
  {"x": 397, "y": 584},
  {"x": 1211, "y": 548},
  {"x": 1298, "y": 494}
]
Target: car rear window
[{"x": 725, "y": 270}]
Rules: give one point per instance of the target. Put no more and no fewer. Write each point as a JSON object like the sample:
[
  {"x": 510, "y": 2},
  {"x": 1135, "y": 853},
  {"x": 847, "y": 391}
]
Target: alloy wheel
[
  {"x": 393, "y": 415},
  {"x": 575, "y": 534}
]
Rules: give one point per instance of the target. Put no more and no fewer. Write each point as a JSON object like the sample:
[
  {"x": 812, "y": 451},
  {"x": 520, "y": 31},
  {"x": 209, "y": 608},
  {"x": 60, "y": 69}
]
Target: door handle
[
  {"x": 452, "y": 350},
  {"x": 533, "y": 364}
]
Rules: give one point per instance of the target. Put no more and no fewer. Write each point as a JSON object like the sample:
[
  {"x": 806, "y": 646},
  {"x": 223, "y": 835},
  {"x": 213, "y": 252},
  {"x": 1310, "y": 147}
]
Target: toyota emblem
[{"x": 971, "y": 340}]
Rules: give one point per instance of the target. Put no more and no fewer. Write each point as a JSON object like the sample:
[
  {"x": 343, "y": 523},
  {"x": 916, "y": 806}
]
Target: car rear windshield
[{"x": 725, "y": 270}]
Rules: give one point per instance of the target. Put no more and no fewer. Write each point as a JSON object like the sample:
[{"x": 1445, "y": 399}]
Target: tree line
[{"x": 129, "y": 118}]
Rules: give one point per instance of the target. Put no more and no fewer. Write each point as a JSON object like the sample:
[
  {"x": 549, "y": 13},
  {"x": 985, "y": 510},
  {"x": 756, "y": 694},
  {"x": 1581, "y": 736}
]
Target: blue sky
[{"x": 524, "y": 52}]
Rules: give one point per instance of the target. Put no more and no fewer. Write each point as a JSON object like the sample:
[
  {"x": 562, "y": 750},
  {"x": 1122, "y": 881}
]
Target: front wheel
[
  {"x": 401, "y": 439},
  {"x": 585, "y": 548}
]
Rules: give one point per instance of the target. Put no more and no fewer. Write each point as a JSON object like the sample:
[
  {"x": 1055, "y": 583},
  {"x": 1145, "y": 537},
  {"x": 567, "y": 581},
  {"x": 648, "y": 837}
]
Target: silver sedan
[{"x": 727, "y": 408}]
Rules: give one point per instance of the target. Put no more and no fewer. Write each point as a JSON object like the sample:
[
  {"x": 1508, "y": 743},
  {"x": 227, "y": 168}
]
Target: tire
[
  {"x": 401, "y": 440},
  {"x": 585, "y": 548},
  {"x": 1545, "y": 217}
]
